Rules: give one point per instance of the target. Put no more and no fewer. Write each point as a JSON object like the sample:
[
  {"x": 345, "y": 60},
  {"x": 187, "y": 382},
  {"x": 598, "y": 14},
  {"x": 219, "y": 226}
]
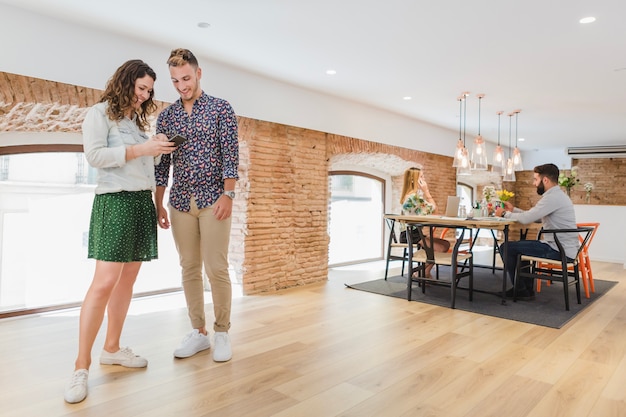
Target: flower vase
[
  {"x": 588, "y": 197},
  {"x": 569, "y": 191}
]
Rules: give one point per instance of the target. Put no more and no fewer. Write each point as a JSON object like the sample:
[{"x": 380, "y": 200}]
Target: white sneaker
[
  {"x": 222, "y": 351},
  {"x": 76, "y": 390},
  {"x": 124, "y": 357},
  {"x": 193, "y": 343}
]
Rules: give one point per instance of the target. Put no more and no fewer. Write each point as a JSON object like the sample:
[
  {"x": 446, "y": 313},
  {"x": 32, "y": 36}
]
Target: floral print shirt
[
  {"x": 208, "y": 156},
  {"x": 416, "y": 204}
]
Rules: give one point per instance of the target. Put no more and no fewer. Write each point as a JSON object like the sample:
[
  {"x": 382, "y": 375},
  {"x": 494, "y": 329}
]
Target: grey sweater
[{"x": 556, "y": 211}]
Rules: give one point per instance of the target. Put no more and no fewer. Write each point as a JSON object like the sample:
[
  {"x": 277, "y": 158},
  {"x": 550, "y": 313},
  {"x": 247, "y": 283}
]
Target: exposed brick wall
[
  {"x": 608, "y": 176},
  {"x": 280, "y": 217},
  {"x": 437, "y": 169},
  {"x": 33, "y": 105},
  {"x": 287, "y": 207}
]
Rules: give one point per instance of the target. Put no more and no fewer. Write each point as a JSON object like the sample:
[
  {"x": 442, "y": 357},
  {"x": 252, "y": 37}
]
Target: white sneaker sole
[{"x": 183, "y": 355}]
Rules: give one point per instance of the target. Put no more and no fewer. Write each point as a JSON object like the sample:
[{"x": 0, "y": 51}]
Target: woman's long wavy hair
[
  {"x": 410, "y": 182},
  {"x": 120, "y": 91}
]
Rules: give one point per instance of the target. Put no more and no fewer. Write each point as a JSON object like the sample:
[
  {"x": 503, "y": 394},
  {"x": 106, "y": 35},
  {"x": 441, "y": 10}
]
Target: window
[
  {"x": 466, "y": 192},
  {"x": 355, "y": 218},
  {"x": 45, "y": 206}
]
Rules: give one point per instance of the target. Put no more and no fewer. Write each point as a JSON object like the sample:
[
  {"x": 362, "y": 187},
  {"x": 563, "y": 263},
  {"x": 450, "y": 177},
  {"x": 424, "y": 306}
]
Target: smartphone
[{"x": 178, "y": 140}]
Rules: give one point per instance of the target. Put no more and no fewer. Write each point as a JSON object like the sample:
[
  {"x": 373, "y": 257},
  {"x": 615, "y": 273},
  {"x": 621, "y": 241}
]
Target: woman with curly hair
[{"x": 122, "y": 229}]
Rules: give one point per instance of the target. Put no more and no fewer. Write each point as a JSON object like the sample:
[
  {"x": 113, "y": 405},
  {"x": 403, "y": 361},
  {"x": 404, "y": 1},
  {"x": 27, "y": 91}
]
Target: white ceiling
[{"x": 568, "y": 79}]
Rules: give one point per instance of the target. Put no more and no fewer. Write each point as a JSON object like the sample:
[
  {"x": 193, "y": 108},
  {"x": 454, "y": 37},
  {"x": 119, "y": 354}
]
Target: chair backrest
[
  {"x": 428, "y": 242},
  {"x": 595, "y": 229},
  {"x": 584, "y": 235},
  {"x": 391, "y": 223}
]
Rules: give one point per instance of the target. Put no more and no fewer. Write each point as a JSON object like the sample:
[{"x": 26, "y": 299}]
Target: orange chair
[
  {"x": 584, "y": 262},
  {"x": 467, "y": 242}
]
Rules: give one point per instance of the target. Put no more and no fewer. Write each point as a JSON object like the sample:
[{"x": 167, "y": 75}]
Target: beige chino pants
[{"x": 202, "y": 239}]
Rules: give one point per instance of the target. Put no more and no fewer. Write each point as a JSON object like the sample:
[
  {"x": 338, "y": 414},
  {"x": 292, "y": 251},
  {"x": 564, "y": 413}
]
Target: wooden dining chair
[
  {"x": 394, "y": 245},
  {"x": 564, "y": 270},
  {"x": 584, "y": 262},
  {"x": 469, "y": 243},
  {"x": 460, "y": 263}
]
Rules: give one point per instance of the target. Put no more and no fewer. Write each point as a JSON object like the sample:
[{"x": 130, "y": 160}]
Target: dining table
[{"x": 493, "y": 223}]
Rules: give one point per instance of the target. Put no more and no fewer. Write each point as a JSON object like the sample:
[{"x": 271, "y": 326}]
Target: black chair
[
  {"x": 564, "y": 270},
  {"x": 394, "y": 243},
  {"x": 461, "y": 263}
]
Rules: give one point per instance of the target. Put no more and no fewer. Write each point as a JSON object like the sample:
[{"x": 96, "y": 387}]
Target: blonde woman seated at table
[{"x": 416, "y": 199}]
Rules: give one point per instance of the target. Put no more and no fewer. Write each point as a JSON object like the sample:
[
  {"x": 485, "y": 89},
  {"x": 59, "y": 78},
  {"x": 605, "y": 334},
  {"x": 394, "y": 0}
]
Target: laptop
[{"x": 452, "y": 208}]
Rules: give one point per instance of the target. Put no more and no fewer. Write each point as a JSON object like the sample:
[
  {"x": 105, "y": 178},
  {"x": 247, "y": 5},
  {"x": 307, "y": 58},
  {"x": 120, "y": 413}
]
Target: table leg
[
  {"x": 409, "y": 281},
  {"x": 504, "y": 258}
]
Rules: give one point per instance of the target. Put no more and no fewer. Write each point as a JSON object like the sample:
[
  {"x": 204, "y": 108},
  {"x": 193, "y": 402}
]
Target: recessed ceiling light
[
  {"x": 407, "y": 98},
  {"x": 521, "y": 139},
  {"x": 331, "y": 72},
  {"x": 204, "y": 25},
  {"x": 589, "y": 19}
]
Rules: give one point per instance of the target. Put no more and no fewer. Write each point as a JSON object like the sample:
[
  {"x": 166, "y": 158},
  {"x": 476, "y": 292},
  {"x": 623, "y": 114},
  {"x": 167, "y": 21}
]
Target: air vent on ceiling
[{"x": 598, "y": 151}]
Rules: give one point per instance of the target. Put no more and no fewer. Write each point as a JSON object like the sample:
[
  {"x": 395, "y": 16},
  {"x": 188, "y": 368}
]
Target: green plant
[
  {"x": 489, "y": 193},
  {"x": 568, "y": 181}
]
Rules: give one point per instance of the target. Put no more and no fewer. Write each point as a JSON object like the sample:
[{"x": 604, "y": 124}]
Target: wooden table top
[{"x": 496, "y": 223}]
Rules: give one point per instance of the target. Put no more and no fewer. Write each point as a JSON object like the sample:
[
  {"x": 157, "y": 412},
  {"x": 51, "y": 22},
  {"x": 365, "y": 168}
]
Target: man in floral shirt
[{"x": 201, "y": 199}]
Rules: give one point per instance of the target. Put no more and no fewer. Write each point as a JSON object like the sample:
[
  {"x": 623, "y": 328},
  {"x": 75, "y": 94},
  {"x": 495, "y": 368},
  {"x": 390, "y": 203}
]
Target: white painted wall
[
  {"x": 609, "y": 244},
  {"x": 550, "y": 156},
  {"x": 42, "y": 47}
]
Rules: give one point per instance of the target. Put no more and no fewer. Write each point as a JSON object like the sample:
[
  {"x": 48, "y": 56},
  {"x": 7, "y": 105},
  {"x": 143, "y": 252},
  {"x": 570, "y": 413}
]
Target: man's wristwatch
[
  {"x": 230, "y": 194},
  {"x": 503, "y": 213}
]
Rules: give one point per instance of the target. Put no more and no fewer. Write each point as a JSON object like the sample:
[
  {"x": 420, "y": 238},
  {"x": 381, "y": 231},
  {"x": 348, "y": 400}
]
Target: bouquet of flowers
[
  {"x": 416, "y": 204},
  {"x": 505, "y": 195},
  {"x": 489, "y": 193},
  {"x": 568, "y": 181},
  {"x": 588, "y": 187}
]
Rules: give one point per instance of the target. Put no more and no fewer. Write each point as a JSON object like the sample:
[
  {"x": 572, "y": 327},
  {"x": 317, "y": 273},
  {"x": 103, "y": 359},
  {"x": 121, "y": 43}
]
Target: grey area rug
[{"x": 548, "y": 308}]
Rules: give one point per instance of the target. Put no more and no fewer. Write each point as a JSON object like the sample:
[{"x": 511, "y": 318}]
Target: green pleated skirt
[{"x": 123, "y": 227}]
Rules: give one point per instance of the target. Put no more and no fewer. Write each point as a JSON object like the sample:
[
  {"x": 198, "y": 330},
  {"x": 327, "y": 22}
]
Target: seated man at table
[{"x": 556, "y": 211}]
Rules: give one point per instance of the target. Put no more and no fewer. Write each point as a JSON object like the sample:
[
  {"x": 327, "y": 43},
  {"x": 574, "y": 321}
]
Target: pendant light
[
  {"x": 464, "y": 162},
  {"x": 499, "y": 160},
  {"x": 517, "y": 155},
  {"x": 509, "y": 172},
  {"x": 458, "y": 154},
  {"x": 479, "y": 151}
]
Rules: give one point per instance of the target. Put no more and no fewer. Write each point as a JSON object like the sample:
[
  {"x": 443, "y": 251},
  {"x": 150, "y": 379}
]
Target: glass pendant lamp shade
[
  {"x": 517, "y": 155},
  {"x": 517, "y": 160},
  {"x": 458, "y": 154},
  {"x": 499, "y": 159},
  {"x": 479, "y": 151},
  {"x": 479, "y": 154},
  {"x": 464, "y": 167},
  {"x": 509, "y": 172},
  {"x": 460, "y": 144}
]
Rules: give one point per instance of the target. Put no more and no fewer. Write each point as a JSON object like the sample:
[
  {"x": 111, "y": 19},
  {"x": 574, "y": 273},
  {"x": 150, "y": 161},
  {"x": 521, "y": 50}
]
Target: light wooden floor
[{"x": 327, "y": 351}]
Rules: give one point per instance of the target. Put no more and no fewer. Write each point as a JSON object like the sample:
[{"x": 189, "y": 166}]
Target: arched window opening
[
  {"x": 45, "y": 205},
  {"x": 355, "y": 218}
]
